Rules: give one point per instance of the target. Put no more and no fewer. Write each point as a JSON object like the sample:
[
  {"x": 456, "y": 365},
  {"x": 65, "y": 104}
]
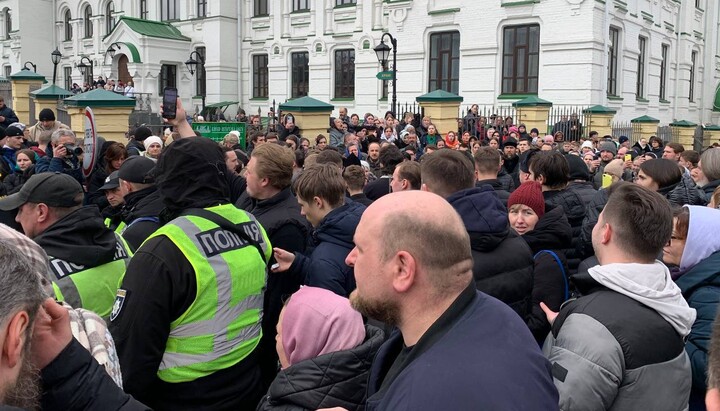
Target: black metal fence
[
  {"x": 61, "y": 114},
  {"x": 6, "y": 91},
  {"x": 634, "y": 133}
]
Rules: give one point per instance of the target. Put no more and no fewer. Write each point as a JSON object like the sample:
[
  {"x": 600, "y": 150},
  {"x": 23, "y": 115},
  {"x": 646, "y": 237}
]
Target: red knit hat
[{"x": 529, "y": 194}]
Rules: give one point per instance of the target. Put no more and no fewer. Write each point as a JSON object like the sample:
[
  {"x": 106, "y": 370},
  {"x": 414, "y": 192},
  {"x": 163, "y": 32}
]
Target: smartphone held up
[{"x": 170, "y": 96}]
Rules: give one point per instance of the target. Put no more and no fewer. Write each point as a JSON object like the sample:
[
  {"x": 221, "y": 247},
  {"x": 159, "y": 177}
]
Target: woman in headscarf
[
  {"x": 694, "y": 252},
  {"x": 325, "y": 354}
]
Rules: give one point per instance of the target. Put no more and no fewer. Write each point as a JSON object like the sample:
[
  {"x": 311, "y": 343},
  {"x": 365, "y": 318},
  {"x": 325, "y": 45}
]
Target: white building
[{"x": 641, "y": 57}]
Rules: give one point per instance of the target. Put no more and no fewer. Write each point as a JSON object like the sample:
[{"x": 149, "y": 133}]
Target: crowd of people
[
  {"x": 119, "y": 87},
  {"x": 383, "y": 265}
]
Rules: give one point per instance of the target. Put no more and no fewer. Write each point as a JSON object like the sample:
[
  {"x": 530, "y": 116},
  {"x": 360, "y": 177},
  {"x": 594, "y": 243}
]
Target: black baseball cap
[
  {"x": 112, "y": 181},
  {"x": 53, "y": 189},
  {"x": 137, "y": 169}
]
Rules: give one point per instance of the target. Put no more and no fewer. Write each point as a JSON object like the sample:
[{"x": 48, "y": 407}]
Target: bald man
[{"x": 457, "y": 348}]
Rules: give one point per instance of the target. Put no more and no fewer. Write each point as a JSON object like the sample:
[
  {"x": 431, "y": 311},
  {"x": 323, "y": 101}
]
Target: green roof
[
  {"x": 599, "y": 110},
  {"x": 27, "y": 75},
  {"x": 532, "y": 101},
  {"x": 683, "y": 123},
  {"x": 100, "y": 98},
  {"x": 306, "y": 104},
  {"x": 711, "y": 127},
  {"x": 439, "y": 95},
  {"x": 221, "y": 104},
  {"x": 151, "y": 28},
  {"x": 51, "y": 92},
  {"x": 645, "y": 119}
]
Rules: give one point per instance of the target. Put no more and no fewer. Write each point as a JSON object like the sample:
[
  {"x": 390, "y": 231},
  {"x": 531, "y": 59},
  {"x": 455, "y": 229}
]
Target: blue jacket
[
  {"x": 701, "y": 288},
  {"x": 8, "y": 154},
  {"x": 479, "y": 355},
  {"x": 71, "y": 167},
  {"x": 332, "y": 240}
]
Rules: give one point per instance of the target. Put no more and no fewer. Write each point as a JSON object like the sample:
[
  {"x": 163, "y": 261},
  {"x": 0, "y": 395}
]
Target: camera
[{"x": 73, "y": 149}]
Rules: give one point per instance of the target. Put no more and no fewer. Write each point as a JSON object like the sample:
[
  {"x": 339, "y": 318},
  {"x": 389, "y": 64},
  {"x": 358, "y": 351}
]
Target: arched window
[
  {"x": 87, "y": 14},
  {"x": 67, "y": 25},
  {"x": 7, "y": 16},
  {"x": 109, "y": 18}
]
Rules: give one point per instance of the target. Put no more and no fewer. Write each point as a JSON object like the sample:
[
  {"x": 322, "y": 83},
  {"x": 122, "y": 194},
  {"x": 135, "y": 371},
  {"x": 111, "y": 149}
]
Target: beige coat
[{"x": 38, "y": 129}]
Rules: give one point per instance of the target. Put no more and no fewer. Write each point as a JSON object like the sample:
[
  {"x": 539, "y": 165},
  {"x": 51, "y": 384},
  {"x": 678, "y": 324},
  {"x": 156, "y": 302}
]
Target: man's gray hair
[
  {"x": 21, "y": 289},
  {"x": 60, "y": 133}
]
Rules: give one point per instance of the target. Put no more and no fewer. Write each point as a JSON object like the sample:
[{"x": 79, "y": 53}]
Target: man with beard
[
  {"x": 42, "y": 366},
  {"x": 443, "y": 320},
  {"x": 373, "y": 158},
  {"x": 508, "y": 174}
]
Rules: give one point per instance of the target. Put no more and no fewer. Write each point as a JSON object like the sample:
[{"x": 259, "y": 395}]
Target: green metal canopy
[
  {"x": 150, "y": 28},
  {"x": 532, "y": 101},
  {"x": 27, "y": 75},
  {"x": 51, "y": 92},
  {"x": 598, "y": 109},
  {"x": 439, "y": 96},
  {"x": 645, "y": 119},
  {"x": 306, "y": 104},
  {"x": 100, "y": 98},
  {"x": 683, "y": 123}
]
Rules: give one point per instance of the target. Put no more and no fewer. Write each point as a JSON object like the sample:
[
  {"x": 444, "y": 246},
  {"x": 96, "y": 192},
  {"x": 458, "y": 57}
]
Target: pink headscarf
[
  {"x": 513, "y": 129},
  {"x": 316, "y": 322}
]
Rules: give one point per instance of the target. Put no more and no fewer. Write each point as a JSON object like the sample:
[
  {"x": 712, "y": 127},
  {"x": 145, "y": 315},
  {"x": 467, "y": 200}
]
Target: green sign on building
[
  {"x": 385, "y": 75},
  {"x": 216, "y": 131}
]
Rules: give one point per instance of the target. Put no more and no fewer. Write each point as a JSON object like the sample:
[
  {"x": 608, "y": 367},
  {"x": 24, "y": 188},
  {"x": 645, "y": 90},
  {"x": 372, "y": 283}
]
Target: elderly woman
[
  {"x": 325, "y": 353},
  {"x": 547, "y": 232},
  {"x": 694, "y": 252}
]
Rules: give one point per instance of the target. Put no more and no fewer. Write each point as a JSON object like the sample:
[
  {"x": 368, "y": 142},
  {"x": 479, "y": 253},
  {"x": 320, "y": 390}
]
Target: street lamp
[
  {"x": 31, "y": 64},
  {"x": 382, "y": 51},
  {"x": 192, "y": 64},
  {"x": 84, "y": 65},
  {"x": 55, "y": 57},
  {"x": 115, "y": 47}
]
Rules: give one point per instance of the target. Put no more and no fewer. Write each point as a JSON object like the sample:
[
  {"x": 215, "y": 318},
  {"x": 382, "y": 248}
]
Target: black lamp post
[
  {"x": 382, "y": 51},
  {"x": 85, "y": 65},
  {"x": 31, "y": 64},
  {"x": 192, "y": 64},
  {"x": 55, "y": 56},
  {"x": 115, "y": 47}
]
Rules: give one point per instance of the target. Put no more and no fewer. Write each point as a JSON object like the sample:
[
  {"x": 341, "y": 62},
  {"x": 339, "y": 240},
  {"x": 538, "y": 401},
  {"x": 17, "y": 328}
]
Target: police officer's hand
[
  {"x": 51, "y": 333},
  {"x": 283, "y": 259},
  {"x": 59, "y": 151}
]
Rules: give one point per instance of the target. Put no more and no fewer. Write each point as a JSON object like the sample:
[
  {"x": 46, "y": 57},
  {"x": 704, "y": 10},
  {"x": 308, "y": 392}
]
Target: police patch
[{"x": 118, "y": 305}]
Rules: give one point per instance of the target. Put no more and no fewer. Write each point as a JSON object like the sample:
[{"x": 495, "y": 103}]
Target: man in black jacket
[
  {"x": 552, "y": 170},
  {"x": 7, "y": 115},
  {"x": 143, "y": 205},
  {"x": 390, "y": 157},
  {"x": 87, "y": 260},
  {"x": 35, "y": 335},
  {"x": 503, "y": 263},
  {"x": 204, "y": 263},
  {"x": 487, "y": 164},
  {"x": 269, "y": 198}
]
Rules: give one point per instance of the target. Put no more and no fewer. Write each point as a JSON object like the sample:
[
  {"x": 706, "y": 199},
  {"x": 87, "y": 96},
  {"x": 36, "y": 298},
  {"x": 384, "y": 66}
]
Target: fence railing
[
  {"x": 634, "y": 132},
  {"x": 143, "y": 101},
  {"x": 6, "y": 91},
  {"x": 61, "y": 114}
]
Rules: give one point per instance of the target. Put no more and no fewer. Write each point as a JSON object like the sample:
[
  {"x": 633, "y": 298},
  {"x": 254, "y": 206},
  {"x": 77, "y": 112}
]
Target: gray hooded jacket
[{"x": 621, "y": 345}]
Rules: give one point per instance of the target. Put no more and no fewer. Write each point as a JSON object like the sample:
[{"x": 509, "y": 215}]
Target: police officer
[
  {"x": 86, "y": 258},
  {"x": 140, "y": 214},
  {"x": 111, "y": 213},
  {"x": 187, "y": 317}
]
